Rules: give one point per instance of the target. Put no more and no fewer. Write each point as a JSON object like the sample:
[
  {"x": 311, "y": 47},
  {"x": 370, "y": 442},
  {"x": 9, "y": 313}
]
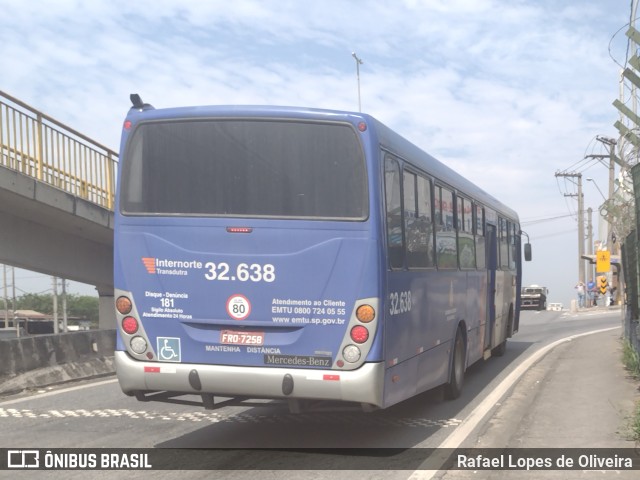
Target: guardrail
[
  {"x": 49, "y": 359},
  {"x": 39, "y": 146}
]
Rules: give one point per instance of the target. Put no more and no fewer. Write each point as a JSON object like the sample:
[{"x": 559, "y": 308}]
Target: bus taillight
[
  {"x": 359, "y": 334},
  {"x": 138, "y": 345},
  {"x": 123, "y": 305},
  {"x": 129, "y": 325},
  {"x": 351, "y": 354},
  {"x": 365, "y": 313}
]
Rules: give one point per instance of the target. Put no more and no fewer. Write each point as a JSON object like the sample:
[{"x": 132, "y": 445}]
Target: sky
[{"x": 506, "y": 92}]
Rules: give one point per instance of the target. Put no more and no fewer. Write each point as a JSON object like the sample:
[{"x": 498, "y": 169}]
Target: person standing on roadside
[
  {"x": 580, "y": 289},
  {"x": 591, "y": 293}
]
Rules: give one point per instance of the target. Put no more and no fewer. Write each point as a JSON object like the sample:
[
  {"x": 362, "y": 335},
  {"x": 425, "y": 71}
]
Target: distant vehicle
[
  {"x": 534, "y": 297},
  {"x": 272, "y": 252},
  {"x": 556, "y": 307}
]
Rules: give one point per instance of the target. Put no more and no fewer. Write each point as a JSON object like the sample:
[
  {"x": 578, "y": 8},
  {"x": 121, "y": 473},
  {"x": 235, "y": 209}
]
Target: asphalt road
[{"x": 96, "y": 414}]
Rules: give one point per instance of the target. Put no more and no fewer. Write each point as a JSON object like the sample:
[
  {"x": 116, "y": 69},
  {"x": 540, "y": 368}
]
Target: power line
[
  {"x": 556, "y": 234},
  {"x": 631, "y": 20},
  {"x": 582, "y": 165},
  {"x": 546, "y": 219}
]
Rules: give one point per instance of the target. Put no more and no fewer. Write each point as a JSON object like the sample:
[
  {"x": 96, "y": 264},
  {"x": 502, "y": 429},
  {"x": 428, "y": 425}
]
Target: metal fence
[
  {"x": 43, "y": 148},
  {"x": 631, "y": 268}
]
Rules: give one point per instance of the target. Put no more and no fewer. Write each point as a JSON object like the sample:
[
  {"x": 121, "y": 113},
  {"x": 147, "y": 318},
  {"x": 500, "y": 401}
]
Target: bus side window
[
  {"x": 481, "y": 254},
  {"x": 395, "y": 250},
  {"x": 426, "y": 219},
  {"x": 417, "y": 221},
  {"x": 446, "y": 248},
  {"x": 504, "y": 244},
  {"x": 512, "y": 246},
  {"x": 466, "y": 245}
]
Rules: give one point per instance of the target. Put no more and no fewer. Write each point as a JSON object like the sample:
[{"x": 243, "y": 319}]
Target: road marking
[
  {"x": 469, "y": 424},
  {"x": 215, "y": 417},
  {"x": 339, "y": 418}
]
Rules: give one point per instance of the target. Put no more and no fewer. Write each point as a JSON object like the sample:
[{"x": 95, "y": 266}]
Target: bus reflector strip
[
  {"x": 331, "y": 377},
  {"x": 164, "y": 369}
]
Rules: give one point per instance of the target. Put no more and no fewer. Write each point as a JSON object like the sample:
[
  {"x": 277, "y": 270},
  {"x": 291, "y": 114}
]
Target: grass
[
  {"x": 635, "y": 423},
  {"x": 631, "y": 359}
]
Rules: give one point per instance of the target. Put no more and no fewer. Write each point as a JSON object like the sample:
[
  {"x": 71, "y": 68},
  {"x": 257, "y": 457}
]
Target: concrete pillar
[
  {"x": 574, "y": 306},
  {"x": 106, "y": 309}
]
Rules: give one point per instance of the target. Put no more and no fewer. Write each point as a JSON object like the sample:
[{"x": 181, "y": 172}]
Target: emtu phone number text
[{"x": 244, "y": 272}]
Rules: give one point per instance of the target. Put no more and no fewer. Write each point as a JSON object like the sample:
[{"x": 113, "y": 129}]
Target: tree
[
  {"x": 39, "y": 302},
  {"x": 80, "y": 306}
]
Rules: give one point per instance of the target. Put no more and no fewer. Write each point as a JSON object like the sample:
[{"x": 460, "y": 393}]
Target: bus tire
[
  {"x": 453, "y": 388},
  {"x": 500, "y": 349}
]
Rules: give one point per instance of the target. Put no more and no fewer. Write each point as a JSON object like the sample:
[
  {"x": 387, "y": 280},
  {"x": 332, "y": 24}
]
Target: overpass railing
[{"x": 37, "y": 145}]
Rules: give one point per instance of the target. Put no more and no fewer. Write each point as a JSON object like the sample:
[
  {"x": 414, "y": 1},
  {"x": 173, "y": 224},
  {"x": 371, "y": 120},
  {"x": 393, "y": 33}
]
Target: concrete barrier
[{"x": 41, "y": 360}]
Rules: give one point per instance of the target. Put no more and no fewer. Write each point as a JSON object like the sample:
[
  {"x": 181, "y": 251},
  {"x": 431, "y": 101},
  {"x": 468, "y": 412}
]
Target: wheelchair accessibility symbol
[{"x": 168, "y": 349}]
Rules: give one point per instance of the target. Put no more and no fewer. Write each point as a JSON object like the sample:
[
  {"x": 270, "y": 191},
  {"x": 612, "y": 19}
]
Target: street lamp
[
  {"x": 358, "y": 63},
  {"x": 594, "y": 182}
]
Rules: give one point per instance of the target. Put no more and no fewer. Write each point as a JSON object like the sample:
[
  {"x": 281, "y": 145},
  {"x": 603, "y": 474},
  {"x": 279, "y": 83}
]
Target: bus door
[{"x": 492, "y": 263}]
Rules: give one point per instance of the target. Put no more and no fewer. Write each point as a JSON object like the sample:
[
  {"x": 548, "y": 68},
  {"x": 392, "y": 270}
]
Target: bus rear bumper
[{"x": 364, "y": 385}]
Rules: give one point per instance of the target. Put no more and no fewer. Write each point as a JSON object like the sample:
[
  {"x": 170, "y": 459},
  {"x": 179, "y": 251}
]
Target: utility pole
[
  {"x": 611, "y": 156},
  {"x": 55, "y": 305},
  {"x": 609, "y": 203},
  {"x": 613, "y": 246},
  {"x": 6, "y": 299},
  {"x": 16, "y": 322},
  {"x": 64, "y": 306},
  {"x": 581, "y": 269},
  {"x": 578, "y": 176},
  {"x": 590, "y": 239}
]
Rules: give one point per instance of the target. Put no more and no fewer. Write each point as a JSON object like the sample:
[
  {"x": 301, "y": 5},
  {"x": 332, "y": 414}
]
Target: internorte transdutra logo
[
  {"x": 150, "y": 264},
  {"x": 164, "y": 266}
]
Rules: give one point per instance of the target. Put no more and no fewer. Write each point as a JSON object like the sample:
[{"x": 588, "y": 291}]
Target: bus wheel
[
  {"x": 453, "y": 387},
  {"x": 500, "y": 349}
]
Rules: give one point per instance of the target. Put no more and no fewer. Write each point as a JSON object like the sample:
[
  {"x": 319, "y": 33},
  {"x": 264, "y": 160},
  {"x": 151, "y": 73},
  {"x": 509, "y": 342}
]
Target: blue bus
[{"x": 302, "y": 254}]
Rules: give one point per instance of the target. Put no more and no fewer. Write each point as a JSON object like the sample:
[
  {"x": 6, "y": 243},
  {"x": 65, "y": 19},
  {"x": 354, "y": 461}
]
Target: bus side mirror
[{"x": 527, "y": 252}]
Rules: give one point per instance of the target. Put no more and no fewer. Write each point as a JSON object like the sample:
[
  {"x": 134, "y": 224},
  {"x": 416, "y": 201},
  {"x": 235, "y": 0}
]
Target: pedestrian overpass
[{"x": 57, "y": 189}]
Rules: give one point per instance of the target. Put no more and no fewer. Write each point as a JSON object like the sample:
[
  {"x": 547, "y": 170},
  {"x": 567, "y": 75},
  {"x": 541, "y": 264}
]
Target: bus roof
[{"x": 401, "y": 146}]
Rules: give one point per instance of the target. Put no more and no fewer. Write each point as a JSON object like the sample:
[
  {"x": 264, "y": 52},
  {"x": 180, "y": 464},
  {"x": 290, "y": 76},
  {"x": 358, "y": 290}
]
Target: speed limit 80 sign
[{"x": 238, "y": 307}]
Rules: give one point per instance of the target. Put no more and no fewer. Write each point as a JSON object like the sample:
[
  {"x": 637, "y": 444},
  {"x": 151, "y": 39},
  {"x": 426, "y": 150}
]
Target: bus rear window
[{"x": 245, "y": 168}]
